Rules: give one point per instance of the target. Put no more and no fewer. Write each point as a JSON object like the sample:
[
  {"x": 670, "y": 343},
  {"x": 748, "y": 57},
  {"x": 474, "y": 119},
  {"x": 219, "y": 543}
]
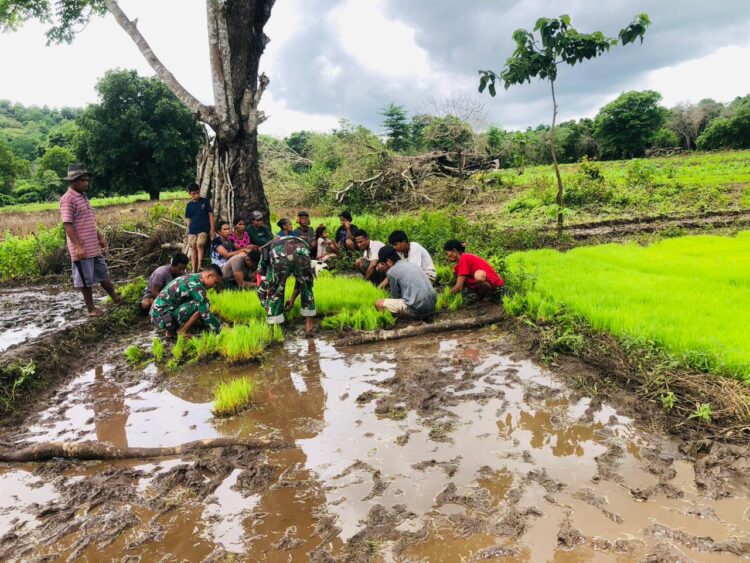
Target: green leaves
[{"x": 636, "y": 29}]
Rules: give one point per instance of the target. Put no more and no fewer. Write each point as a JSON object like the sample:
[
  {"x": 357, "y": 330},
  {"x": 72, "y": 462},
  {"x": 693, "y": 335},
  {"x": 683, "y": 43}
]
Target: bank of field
[{"x": 690, "y": 295}]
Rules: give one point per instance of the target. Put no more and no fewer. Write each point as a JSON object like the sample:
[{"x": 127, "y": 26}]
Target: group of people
[{"x": 248, "y": 255}]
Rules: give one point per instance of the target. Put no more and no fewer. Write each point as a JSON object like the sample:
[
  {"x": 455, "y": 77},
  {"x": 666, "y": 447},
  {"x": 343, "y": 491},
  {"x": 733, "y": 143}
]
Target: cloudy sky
[{"x": 331, "y": 59}]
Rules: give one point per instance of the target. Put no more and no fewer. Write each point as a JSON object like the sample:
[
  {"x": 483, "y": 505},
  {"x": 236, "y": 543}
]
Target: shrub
[
  {"x": 22, "y": 256},
  {"x": 230, "y": 397}
]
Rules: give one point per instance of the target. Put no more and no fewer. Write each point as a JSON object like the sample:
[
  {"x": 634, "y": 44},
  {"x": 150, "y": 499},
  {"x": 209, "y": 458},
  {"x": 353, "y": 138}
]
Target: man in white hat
[{"x": 85, "y": 244}]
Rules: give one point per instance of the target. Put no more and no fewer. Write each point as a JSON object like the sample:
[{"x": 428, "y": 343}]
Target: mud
[
  {"x": 447, "y": 449},
  {"x": 28, "y": 312}
]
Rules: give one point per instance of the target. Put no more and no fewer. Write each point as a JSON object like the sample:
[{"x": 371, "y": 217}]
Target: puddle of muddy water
[
  {"x": 26, "y": 313},
  {"x": 427, "y": 450}
]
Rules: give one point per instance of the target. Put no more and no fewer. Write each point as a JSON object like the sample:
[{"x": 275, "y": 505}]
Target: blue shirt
[{"x": 197, "y": 212}]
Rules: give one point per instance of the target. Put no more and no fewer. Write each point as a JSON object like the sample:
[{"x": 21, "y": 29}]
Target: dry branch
[
  {"x": 101, "y": 451},
  {"x": 416, "y": 330}
]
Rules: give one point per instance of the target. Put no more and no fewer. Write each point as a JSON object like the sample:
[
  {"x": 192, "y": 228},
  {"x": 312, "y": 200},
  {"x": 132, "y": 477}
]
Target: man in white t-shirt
[
  {"x": 368, "y": 264},
  {"x": 413, "y": 252}
]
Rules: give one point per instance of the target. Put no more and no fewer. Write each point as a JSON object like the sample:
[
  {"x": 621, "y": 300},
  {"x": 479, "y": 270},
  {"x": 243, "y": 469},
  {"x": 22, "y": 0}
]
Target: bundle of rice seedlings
[
  {"x": 157, "y": 349},
  {"x": 245, "y": 341},
  {"x": 444, "y": 275},
  {"x": 203, "y": 346},
  {"x": 133, "y": 354},
  {"x": 230, "y": 397},
  {"x": 447, "y": 301},
  {"x": 178, "y": 350}
]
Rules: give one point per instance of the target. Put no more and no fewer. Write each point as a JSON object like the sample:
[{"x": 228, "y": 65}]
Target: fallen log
[
  {"x": 86, "y": 451},
  {"x": 424, "y": 328}
]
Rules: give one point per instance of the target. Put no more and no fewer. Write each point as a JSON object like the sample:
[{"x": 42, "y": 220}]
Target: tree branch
[
  {"x": 203, "y": 112},
  {"x": 250, "y": 102}
]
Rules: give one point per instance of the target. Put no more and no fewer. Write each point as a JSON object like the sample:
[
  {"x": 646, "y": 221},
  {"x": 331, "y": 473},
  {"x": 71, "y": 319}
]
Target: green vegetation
[
  {"x": 95, "y": 202},
  {"x": 690, "y": 296},
  {"x": 27, "y": 256},
  {"x": 134, "y": 355},
  {"x": 240, "y": 343},
  {"x": 179, "y": 348},
  {"x": 366, "y": 318},
  {"x": 448, "y": 302},
  {"x": 157, "y": 350},
  {"x": 232, "y": 396}
]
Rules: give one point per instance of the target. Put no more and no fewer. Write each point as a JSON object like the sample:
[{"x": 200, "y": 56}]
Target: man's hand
[
  {"x": 103, "y": 243},
  {"x": 347, "y": 224},
  {"x": 288, "y": 305},
  {"x": 80, "y": 252}
]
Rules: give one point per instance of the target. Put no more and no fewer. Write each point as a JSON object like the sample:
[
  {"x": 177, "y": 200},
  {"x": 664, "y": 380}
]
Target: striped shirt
[{"x": 76, "y": 209}]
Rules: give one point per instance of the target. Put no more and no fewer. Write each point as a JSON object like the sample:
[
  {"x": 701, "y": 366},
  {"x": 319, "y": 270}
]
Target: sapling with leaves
[{"x": 539, "y": 57}]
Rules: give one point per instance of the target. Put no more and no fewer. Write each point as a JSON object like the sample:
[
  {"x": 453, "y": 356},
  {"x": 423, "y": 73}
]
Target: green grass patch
[
  {"x": 95, "y": 202},
  {"x": 230, "y": 397},
  {"x": 25, "y": 256},
  {"x": 688, "y": 295}
]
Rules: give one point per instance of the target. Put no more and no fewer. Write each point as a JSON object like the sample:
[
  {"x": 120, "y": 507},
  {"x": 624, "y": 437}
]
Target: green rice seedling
[
  {"x": 157, "y": 349},
  {"x": 232, "y": 396},
  {"x": 335, "y": 322},
  {"x": 447, "y": 301},
  {"x": 172, "y": 364},
  {"x": 444, "y": 275},
  {"x": 133, "y": 354},
  {"x": 703, "y": 412},
  {"x": 178, "y": 350},
  {"x": 688, "y": 295},
  {"x": 668, "y": 400},
  {"x": 203, "y": 346},
  {"x": 245, "y": 342}
]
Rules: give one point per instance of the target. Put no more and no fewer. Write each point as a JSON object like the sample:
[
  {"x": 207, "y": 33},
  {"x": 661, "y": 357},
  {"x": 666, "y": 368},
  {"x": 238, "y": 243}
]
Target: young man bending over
[
  {"x": 412, "y": 294},
  {"x": 161, "y": 277},
  {"x": 472, "y": 272}
]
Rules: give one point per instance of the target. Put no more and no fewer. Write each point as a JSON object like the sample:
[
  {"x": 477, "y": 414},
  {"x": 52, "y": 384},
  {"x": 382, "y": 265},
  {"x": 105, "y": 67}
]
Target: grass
[
  {"x": 446, "y": 301},
  {"x": 95, "y": 202},
  {"x": 334, "y": 295},
  {"x": 689, "y": 295},
  {"x": 360, "y": 319},
  {"x": 230, "y": 397}
]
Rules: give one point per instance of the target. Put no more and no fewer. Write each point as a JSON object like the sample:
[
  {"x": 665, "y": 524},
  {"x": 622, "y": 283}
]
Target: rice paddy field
[{"x": 690, "y": 295}]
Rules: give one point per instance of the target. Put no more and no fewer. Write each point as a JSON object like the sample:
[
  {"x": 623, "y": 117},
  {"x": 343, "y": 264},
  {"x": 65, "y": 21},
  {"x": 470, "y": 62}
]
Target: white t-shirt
[
  {"x": 372, "y": 252},
  {"x": 418, "y": 255}
]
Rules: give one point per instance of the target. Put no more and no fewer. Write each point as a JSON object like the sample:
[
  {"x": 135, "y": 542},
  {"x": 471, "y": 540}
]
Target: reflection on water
[{"x": 500, "y": 438}]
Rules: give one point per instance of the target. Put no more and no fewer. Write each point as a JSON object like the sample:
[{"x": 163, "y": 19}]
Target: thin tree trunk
[{"x": 560, "y": 194}]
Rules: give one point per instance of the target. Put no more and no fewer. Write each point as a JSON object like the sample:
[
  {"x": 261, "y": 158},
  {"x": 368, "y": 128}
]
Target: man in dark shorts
[
  {"x": 199, "y": 217},
  {"x": 85, "y": 244},
  {"x": 161, "y": 277},
  {"x": 240, "y": 272},
  {"x": 259, "y": 233}
]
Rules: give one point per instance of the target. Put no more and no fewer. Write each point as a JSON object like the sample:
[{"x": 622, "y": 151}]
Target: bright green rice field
[{"x": 690, "y": 295}]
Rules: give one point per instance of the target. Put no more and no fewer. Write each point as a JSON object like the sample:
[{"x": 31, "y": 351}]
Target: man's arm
[
  {"x": 73, "y": 236},
  {"x": 212, "y": 225},
  {"x": 371, "y": 269}
]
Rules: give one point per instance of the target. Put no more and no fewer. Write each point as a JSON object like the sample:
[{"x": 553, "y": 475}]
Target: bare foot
[{"x": 94, "y": 313}]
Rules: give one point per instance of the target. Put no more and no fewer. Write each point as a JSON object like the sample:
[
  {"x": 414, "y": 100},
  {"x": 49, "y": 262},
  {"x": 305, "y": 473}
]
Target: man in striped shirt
[{"x": 85, "y": 244}]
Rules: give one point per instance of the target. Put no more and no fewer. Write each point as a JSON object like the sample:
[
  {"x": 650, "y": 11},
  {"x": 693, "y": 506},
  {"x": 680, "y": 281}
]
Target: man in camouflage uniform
[
  {"x": 183, "y": 301},
  {"x": 281, "y": 258}
]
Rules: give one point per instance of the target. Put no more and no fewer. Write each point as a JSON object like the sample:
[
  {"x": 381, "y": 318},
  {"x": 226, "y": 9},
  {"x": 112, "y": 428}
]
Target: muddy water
[
  {"x": 27, "y": 312},
  {"x": 425, "y": 450}
]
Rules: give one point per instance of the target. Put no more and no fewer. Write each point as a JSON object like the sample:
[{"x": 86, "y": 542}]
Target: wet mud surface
[
  {"x": 428, "y": 449},
  {"x": 29, "y": 312}
]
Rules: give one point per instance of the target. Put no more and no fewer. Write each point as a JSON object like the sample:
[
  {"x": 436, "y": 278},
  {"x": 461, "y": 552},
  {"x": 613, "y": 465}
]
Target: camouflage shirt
[{"x": 188, "y": 289}]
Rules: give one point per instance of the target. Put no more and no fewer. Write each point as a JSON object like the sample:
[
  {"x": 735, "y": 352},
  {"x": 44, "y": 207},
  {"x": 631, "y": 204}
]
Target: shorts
[
  {"x": 94, "y": 271},
  {"x": 200, "y": 238},
  {"x": 398, "y": 307}
]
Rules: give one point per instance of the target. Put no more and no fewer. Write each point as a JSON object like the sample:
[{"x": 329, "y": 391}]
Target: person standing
[
  {"x": 160, "y": 277},
  {"x": 85, "y": 243},
  {"x": 184, "y": 301},
  {"x": 305, "y": 231},
  {"x": 284, "y": 257},
  {"x": 259, "y": 233},
  {"x": 412, "y": 294},
  {"x": 199, "y": 218}
]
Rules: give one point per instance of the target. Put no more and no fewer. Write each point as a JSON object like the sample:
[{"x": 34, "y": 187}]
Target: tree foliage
[
  {"x": 732, "y": 132},
  {"x": 138, "y": 137},
  {"x": 626, "y": 126},
  {"x": 396, "y": 125},
  {"x": 449, "y": 134}
]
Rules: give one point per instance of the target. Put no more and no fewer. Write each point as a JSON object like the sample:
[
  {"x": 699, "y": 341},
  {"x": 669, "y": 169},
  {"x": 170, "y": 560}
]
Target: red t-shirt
[{"x": 470, "y": 263}]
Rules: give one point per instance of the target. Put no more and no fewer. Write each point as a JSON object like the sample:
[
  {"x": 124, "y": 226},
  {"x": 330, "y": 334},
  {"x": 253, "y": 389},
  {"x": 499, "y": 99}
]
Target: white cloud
[
  {"x": 282, "y": 120},
  {"x": 721, "y": 75}
]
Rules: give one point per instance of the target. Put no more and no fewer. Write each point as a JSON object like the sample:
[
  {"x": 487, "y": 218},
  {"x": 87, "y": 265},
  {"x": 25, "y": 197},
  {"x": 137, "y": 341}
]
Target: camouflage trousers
[
  {"x": 179, "y": 316},
  {"x": 273, "y": 287}
]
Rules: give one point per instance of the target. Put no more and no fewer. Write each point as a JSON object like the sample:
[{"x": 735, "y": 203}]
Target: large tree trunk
[{"x": 228, "y": 165}]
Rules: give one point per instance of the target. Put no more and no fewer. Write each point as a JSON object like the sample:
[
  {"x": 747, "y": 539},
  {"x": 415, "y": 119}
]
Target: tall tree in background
[
  {"x": 396, "y": 125},
  {"x": 558, "y": 43},
  {"x": 228, "y": 166},
  {"x": 138, "y": 137},
  {"x": 626, "y": 126}
]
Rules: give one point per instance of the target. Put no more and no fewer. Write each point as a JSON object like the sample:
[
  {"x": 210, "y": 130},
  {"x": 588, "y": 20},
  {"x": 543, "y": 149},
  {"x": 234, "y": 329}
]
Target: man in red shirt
[
  {"x": 471, "y": 271},
  {"x": 85, "y": 244}
]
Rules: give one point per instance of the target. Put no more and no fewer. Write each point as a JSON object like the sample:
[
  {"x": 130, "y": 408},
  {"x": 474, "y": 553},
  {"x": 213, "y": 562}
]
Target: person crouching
[
  {"x": 411, "y": 292},
  {"x": 472, "y": 272}
]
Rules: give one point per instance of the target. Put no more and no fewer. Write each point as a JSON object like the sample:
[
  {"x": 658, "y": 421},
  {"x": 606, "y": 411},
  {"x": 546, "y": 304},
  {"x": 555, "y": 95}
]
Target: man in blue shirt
[{"x": 199, "y": 218}]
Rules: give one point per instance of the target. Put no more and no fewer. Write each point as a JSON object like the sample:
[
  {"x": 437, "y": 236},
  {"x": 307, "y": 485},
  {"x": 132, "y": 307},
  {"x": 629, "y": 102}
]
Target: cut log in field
[
  {"x": 424, "y": 328},
  {"x": 86, "y": 451}
]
